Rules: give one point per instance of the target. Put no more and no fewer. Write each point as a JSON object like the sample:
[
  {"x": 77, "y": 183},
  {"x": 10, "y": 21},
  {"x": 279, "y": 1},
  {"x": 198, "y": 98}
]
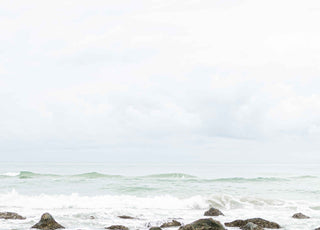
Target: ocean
[{"x": 93, "y": 195}]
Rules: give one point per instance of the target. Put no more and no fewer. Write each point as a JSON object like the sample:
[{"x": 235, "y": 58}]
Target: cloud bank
[{"x": 160, "y": 80}]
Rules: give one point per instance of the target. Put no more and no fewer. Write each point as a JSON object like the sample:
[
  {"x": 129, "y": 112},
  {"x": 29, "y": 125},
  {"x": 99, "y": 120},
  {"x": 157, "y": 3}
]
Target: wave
[
  {"x": 9, "y": 174},
  {"x": 74, "y": 200},
  {"x": 170, "y": 176},
  {"x": 93, "y": 175},
  {"x": 76, "y": 210},
  {"x": 24, "y": 175},
  {"x": 165, "y": 202},
  {"x": 305, "y": 177},
  {"x": 254, "y": 179},
  {"x": 27, "y": 175}
]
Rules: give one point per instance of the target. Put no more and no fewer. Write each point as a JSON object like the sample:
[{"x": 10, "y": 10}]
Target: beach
[{"x": 94, "y": 195}]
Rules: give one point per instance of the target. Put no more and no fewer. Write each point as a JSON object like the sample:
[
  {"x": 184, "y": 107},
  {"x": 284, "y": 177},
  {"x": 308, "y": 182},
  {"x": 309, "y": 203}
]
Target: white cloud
[{"x": 187, "y": 78}]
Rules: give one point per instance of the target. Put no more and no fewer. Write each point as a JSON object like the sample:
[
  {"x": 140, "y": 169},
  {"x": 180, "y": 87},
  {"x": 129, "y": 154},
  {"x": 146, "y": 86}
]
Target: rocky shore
[{"x": 47, "y": 222}]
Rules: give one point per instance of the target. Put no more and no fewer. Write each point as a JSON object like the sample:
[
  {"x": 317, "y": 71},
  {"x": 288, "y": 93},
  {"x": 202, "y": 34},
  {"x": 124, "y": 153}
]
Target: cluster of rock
[
  {"x": 170, "y": 224},
  {"x": 211, "y": 224},
  {"x": 117, "y": 227},
  {"x": 11, "y": 215},
  {"x": 300, "y": 216},
  {"x": 258, "y": 222},
  {"x": 47, "y": 222},
  {"x": 213, "y": 212},
  {"x": 127, "y": 217},
  {"x": 251, "y": 226},
  {"x": 155, "y": 228},
  {"x": 203, "y": 224}
]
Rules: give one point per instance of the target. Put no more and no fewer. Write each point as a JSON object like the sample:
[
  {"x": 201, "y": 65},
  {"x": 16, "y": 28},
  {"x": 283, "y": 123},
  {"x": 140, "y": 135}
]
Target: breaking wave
[
  {"x": 74, "y": 200},
  {"x": 96, "y": 175}
]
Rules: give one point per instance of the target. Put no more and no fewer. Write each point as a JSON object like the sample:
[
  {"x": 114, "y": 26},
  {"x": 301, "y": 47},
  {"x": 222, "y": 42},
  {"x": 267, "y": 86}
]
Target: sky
[{"x": 160, "y": 80}]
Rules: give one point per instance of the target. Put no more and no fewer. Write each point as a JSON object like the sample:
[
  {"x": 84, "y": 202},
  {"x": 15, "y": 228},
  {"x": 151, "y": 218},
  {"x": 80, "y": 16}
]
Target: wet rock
[
  {"x": 258, "y": 221},
  {"x": 300, "y": 216},
  {"x": 155, "y": 228},
  {"x": 251, "y": 226},
  {"x": 47, "y": 222},
  {"x": 11, "y": 215},
  {"x": 213, "y": 212},
  {"x": 203, "y": 224},
  {"x": 173, "y": 223},
  {"x": 117, "y": 227},
  {"x": 126, "y": 217}
]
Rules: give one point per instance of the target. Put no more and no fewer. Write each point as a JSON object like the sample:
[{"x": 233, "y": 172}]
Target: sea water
[{"x": 93, "y": 195}]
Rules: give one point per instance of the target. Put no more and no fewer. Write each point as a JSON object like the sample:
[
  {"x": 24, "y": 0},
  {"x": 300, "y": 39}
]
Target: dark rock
[
  {"x": 317, "y": 228},
  {"x": 126, "y": 217},
  {"x": 213, "y": 212},
  {"x": 155, "y": 228},
  {"x": 203, "y": 224},
  {"x": 258, "y": 221},
  {"x": 47, "y": 222},
  {"x": 300, "y": 216},
  {"x": 92, "y": 217},
  {"x": 11, "y": 215},
  {"x": 117, "y": 227},
  {"x": 251, "y": 226},
  {"x": 173, "y": 223}
]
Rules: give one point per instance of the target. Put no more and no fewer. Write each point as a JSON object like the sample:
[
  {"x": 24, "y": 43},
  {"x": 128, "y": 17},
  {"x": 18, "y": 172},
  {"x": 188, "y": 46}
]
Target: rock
[
  {"x": 251, "y": 226},
  {"x": 47, "y": 222},
  {"x": 258, "y": 221},
  {"x": 173, "y": 223},
  {"x": 155, "y": 228},
  {"x": 11, "y": 215},
  {"x": 317, "y": 228},
  {"x": 300, "y": 216},
  {"x": 126, "y": 217},
  {"x": 203, "y": 224},
  {"x": 213, "y": 212},
  {"x": 117, "y": 227}
]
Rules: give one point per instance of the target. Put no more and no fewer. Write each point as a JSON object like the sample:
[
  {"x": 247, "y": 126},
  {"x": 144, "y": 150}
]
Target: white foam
[
  {"x": 74, "y": 209},
  {"x": 13, "y": 174},
  {"x": 74, "y": 200}
]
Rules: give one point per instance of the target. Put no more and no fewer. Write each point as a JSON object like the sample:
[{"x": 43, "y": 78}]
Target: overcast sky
[{"x": 160, "y": 80}]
